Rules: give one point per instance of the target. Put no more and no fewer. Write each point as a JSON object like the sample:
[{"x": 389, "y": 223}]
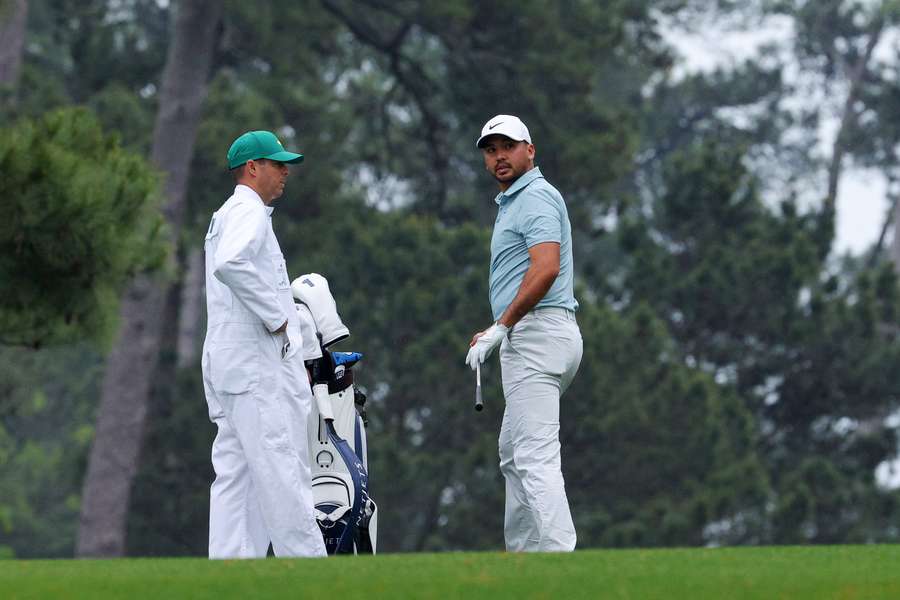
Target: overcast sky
[{"x": 861, "y": 203}]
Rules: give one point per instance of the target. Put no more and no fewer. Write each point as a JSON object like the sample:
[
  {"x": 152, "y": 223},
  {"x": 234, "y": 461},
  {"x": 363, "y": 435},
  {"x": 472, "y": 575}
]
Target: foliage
[
  {"x": 83, "y": 45},
  {"x": 654, "y": 452},
  {"x": 81, "y": 218},
  {"x": 46, "y": 425},
  {"x": 740, "y": 287}
]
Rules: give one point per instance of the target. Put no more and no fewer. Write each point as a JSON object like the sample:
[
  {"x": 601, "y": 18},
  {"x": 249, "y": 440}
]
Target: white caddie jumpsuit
[{"x": 257, "y": 391}]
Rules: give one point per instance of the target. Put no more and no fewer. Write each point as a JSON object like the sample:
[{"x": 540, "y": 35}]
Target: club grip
[
  {"x": 323, "y": 401},
  {"x": 478, "y": 403}
]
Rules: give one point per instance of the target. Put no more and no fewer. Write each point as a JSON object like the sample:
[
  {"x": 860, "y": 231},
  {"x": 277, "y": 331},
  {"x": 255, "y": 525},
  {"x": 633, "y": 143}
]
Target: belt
[{"x": 555, "y": 310}]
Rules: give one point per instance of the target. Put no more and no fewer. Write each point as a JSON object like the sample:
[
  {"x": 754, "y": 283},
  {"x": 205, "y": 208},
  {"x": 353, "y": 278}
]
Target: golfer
[
  {"x": 256, "y": 385},
  {"x": 540, "y": 344}
]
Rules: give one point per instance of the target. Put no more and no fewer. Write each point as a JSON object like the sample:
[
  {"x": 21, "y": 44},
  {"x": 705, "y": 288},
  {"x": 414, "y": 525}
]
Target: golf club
[{"x": 478, "y": 402}]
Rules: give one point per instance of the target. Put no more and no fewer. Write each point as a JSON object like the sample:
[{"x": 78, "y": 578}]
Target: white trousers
[
  {"x": 263, "y": 488},
  {"x": 538, "y": 359}
]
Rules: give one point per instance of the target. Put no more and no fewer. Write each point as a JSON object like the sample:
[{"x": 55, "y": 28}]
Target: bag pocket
[{"x": 234, "y": 367}]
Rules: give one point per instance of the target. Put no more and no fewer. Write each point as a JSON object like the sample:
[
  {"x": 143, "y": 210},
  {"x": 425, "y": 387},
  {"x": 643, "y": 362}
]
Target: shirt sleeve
[
  {"x": 539, "y": 218},
  {"x": 243, "y": 235}
]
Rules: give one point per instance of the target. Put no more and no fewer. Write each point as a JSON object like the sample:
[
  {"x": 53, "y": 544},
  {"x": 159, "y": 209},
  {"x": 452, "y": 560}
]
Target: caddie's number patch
[
  {"x": 211, "y": 232},
  {"x": 281, "y": 271}
]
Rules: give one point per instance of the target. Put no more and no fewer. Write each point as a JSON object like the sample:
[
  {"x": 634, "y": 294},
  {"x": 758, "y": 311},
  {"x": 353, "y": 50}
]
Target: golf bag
[{"x": 347, "y": 516}]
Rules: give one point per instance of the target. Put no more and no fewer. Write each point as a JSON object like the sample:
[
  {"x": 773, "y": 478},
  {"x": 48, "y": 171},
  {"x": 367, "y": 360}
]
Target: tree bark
[
  {"x": 889, "y": 224},
  {"x": 13, "y": 17},
  {"x": 191, "y": 314},
  {"x": 895, "y": 244},
  {"x": 122, "y": 413}
]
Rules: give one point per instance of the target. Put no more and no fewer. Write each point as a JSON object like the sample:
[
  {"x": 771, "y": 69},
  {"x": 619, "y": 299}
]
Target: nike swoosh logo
[{"x": 495, "y": 125}]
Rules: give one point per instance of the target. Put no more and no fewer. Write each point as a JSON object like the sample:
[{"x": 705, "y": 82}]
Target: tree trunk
[
  {"x": 855, "y": 80},
  {"x": 890, "y": 224},
  {"x": 191, "y": 313},
  {"x": 13, "y": 17},
  {"x": 895, "y": 244},
  {"x": 126, "y": 387}
]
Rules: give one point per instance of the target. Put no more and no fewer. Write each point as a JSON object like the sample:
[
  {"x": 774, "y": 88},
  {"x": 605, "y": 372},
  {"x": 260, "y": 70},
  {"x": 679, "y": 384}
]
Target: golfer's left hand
[{"x": 484, "y": 343}]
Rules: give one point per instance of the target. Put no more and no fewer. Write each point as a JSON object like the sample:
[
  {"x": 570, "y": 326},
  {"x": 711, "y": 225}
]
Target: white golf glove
[{"x": 489, "y": 340}]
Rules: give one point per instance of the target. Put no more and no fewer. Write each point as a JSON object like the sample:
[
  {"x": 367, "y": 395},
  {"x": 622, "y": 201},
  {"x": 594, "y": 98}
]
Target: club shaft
[{"x": 479, "y": 404}]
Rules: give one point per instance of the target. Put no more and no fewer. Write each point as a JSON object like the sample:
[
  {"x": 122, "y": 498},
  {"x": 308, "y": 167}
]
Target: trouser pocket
[
  {"x": 234, "y": 367},
  {"x": 546, "y": 343},
  {"x": 274, "y": 422}
]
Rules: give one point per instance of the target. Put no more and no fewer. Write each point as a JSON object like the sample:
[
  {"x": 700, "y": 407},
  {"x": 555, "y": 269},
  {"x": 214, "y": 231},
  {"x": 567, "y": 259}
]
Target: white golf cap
[{"x": 508, "y": 125}]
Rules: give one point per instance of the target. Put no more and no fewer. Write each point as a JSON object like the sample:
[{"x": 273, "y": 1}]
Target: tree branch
[
  {"x": 849, "y": 115},
  {"x": 414, "y": 80},
  {"x": 888, "y": 221}
]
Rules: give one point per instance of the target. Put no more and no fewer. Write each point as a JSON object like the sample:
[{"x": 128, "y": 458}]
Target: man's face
[
  {"x": 270, "y": 177},
  {"x": 507, "y": 159}
]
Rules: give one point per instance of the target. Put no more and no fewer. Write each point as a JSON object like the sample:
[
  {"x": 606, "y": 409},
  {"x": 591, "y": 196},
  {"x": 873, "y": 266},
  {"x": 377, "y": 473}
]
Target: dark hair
[{"x": 238, "y": 172}]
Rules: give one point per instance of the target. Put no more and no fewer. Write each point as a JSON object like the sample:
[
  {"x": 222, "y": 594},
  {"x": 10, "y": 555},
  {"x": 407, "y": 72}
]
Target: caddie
[
  {"x": 533, "y": 305},
  {"x": 256, "y": 386}
]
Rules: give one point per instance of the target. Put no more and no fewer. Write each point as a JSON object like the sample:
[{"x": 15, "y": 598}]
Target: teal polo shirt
[{"x": 530, "y": 212}]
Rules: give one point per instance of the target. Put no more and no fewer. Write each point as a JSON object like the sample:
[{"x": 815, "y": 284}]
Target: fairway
[{"x": 846, "y": 572}]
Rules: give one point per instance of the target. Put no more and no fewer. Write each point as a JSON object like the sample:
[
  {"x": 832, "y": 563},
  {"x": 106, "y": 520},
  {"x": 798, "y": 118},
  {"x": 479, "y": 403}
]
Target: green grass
[{"x": 845, "y": 572}]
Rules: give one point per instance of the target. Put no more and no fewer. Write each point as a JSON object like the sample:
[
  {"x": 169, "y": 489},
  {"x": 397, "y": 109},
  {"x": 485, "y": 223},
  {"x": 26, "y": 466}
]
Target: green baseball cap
[{"x": 254, "y": 145}]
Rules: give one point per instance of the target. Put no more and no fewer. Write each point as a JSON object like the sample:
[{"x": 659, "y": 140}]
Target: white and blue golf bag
[{"x": 347, "y": 516}]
